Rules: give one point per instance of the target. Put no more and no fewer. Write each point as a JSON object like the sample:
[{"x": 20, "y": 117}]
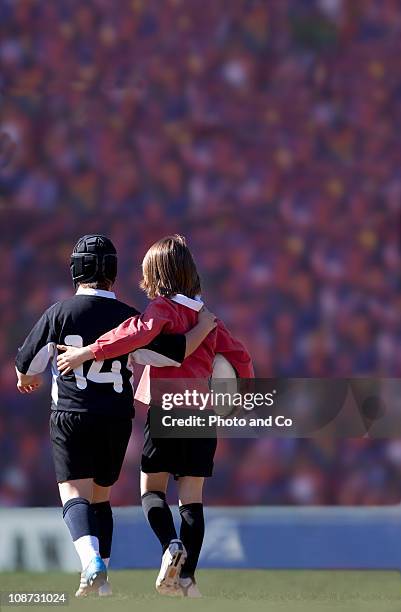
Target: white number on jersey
[{"x": 94, "y": 374}]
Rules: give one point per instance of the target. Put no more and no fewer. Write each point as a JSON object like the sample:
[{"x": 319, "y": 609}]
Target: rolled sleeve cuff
[{"x": 97, "y": 351}]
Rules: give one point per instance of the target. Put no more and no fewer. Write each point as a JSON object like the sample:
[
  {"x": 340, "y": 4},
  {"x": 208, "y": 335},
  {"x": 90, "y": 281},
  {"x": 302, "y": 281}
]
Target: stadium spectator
[{"x": 267, "y": 133}]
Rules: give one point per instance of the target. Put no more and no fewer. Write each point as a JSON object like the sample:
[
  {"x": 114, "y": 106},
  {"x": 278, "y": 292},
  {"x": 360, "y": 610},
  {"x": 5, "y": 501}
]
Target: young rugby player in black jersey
[{"x": 92, "y": 407}]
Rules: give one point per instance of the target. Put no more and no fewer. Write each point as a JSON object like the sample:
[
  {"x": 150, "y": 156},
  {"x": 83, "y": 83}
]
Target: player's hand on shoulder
[
  {"x": 72, "y": 357},
  {"x": 207, "y": 318}
]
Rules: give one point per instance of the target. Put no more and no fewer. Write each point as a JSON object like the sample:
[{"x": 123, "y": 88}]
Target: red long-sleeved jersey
[{"x": 174, "y": 315}]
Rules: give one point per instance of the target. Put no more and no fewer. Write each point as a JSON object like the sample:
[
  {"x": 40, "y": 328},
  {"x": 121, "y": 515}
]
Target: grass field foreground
[{"x": 223, "y": 590}]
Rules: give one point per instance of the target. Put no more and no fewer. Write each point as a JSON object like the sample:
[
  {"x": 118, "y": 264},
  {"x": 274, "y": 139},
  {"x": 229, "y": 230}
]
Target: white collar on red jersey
[
  {"x": 193, "y": 304},
  {"x": 98, "y": 292}
]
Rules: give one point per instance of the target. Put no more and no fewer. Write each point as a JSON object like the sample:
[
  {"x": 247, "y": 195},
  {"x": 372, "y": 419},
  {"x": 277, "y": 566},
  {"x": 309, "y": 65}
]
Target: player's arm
[
  {"x": 172, "y": 349},
  {"x": 130, "y": 335},
  {"x": 234, "y": 351},
  {"x": 134, "y": 333},
  {"x": 34, "y": 355},
  {"x": 164, "y": 350}
]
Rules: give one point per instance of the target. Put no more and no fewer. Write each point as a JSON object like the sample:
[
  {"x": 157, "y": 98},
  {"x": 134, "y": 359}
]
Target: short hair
[
  {"x": 168, "y": 268},
  {"x": 105, "y": 285}
]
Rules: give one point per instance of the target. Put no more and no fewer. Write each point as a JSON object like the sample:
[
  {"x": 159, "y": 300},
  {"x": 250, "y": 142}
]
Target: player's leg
[
  {"x": 72, "y": 445},
  {"x": 78, "y": 514},
  {"x": 199, "y": 462},
  {"x": 155, "y": 471},
  {"x": 109, "y": 448},
  {"x": 104, "y": 520},
  {"x": 155, "y": 507},
  {"x": 192, "y": 530},
  {"x": 159, "y": 517}
]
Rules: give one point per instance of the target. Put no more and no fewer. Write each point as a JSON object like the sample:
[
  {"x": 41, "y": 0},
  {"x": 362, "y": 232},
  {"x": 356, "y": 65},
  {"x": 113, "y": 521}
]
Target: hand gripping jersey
[{"x": 102, "y": 386}]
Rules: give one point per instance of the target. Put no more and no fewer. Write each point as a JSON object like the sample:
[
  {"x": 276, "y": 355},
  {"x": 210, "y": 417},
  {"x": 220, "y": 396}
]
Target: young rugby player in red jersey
[{"x": 171, "y": 280}]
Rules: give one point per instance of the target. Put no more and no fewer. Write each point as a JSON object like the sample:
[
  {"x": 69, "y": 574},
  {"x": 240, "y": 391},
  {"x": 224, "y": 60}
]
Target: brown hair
[
  {"x": 168, "y": 268},
  {"x": 106, "y": 285}
]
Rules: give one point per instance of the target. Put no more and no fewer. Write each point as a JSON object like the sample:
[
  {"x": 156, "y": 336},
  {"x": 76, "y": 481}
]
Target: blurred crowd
[{"x": 268, "y": 134}]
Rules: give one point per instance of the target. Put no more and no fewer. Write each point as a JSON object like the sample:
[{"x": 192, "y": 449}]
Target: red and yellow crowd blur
[{"x": 268, "y": 134}]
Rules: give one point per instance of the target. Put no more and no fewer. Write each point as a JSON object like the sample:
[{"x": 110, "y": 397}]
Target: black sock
[
  {"x": 104, "y": 520},
  {"x": 191, "y": 534},
  {"x": 159, "y": 517},
  {"x": 80, "y": 518}
]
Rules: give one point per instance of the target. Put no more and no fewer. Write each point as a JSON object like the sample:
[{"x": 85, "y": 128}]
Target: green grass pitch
[{"x": 228, "y": 590}]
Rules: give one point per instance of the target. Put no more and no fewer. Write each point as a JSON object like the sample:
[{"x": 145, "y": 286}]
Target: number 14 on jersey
[{"x": 94, "y": 374}]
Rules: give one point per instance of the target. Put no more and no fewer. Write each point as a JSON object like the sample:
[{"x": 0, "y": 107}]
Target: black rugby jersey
[{"x": 102, "y": 387}]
